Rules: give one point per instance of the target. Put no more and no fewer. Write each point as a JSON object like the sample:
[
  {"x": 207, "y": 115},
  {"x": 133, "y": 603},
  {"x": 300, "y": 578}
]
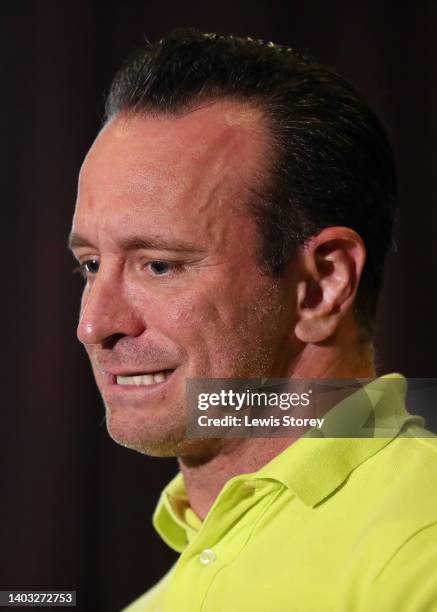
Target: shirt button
[{"x": 207, "y": 556}]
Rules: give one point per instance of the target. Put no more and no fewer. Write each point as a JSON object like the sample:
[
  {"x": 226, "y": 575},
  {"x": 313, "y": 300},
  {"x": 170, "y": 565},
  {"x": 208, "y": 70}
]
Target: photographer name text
[{"x": 247, "y": 421}]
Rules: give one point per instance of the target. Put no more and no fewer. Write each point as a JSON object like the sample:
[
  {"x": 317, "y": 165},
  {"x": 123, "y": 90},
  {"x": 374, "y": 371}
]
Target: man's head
[{"x": 223, "y": 217}]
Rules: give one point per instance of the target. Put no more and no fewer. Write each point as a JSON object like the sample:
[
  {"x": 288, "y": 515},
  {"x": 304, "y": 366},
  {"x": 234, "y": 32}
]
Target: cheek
[
  {"x": 199, "y": 322},
  {"x": 186, "y": 316},
  {"x": 216, "y": 322}
]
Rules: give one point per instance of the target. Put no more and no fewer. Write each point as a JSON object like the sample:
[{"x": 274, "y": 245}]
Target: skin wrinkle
[{"x": 189, "y": 178}]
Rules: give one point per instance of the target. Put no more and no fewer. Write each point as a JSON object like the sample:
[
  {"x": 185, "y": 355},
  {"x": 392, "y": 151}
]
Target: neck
[{"x": 205, "y": 477}]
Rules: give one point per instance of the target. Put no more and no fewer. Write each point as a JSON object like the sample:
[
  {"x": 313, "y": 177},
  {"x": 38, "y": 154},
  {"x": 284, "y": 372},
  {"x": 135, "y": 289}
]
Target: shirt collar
[
  {"x": 354, "y": 430},
  {"x": 316, "y": 465}
]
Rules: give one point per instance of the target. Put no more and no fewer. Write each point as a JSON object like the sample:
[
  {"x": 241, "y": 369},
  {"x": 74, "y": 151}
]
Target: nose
[{"x": 107, "y": 313}]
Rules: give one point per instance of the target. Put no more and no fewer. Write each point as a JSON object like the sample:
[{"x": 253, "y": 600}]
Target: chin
[
  {"x": 146, "y": 433},
  {"x": 170, "y": 441}
]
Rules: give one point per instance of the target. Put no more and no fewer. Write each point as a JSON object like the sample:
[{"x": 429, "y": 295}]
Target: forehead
[{"x": 200, "y": 164}]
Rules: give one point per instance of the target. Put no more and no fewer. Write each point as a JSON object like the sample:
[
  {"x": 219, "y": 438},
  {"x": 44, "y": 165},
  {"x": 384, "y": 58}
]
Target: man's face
[{"x": 173, "y": 289}]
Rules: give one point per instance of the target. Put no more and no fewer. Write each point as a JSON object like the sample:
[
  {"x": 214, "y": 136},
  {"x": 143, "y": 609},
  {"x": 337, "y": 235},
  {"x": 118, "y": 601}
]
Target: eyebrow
[{"x": 135, "y": 243}]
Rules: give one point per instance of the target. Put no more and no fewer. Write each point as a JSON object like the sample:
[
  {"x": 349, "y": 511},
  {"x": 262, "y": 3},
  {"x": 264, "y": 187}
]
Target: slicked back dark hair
[{"x": 330, "y": 162}]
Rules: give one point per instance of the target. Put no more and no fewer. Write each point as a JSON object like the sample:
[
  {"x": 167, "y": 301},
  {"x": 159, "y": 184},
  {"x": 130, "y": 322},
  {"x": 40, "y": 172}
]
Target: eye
[
  {"x": 163, "y": 268},
  {"x": 87, "y": 268},
  {"x": 91, "y": 266}
]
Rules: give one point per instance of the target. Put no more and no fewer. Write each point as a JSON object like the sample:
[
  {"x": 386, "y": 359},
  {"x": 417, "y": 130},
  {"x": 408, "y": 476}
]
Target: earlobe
[
  {"x": 331, "y": 265},
  {"x": 315, "y": 330}
]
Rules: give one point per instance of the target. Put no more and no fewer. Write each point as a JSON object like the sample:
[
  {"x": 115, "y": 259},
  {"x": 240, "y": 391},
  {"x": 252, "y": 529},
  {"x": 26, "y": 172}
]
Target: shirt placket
[{"x": 221, "y": 537}]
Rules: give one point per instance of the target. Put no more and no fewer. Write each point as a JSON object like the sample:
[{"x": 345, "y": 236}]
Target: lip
[
  {"x": 132, "y": 372},
  {"x": 114, "y": 387}
]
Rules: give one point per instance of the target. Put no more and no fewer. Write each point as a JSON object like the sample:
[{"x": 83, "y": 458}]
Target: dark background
[{"x": 75, "y": 507}]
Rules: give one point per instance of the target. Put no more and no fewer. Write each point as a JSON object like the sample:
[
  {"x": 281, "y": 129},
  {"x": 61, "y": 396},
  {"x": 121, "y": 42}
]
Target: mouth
[{"x": 142, "y": 379}]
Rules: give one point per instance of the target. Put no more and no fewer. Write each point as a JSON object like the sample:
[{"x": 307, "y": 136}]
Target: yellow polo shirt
[{"x": 329, "y": 525}]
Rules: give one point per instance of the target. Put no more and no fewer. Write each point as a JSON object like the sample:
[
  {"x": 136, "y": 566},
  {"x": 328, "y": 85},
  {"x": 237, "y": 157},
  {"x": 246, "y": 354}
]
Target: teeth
[{"x": 144, "y": 379}]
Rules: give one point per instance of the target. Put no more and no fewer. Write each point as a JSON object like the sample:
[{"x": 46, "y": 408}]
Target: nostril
[{"x": 111, "y": 341}]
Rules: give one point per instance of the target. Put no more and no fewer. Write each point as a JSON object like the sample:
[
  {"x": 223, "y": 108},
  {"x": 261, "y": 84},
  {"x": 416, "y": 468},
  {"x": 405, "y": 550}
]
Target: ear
[{"x": 329, "y": 268}]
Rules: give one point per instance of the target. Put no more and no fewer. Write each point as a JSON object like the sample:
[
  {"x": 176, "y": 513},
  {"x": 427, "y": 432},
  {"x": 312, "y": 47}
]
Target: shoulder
[
  {"x": 408, "y": 578},
  {"x": 395, "y": 555},
  {"x": 401, "y": 481},
  {"x": 409, "y": 466}
]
